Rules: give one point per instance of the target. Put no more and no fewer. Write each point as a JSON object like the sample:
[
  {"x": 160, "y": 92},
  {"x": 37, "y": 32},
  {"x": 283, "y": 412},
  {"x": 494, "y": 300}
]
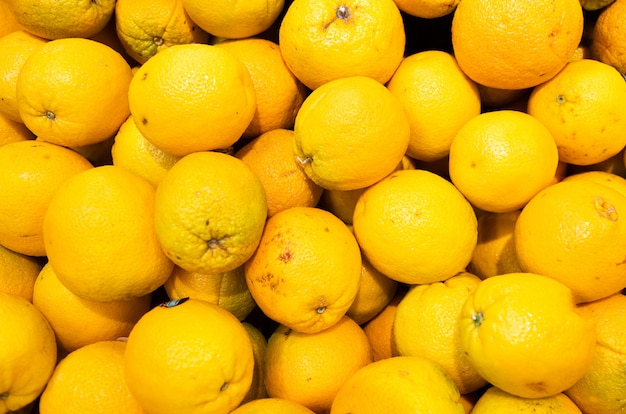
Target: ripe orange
[
  {"x": 11, "y": 131},
  {"x": 379, "y": 329},
  {"x": 6, "y": 16},
  {"x": 494, "y": 400},
  {"x": 607, "y": 39},
  {"x": 272, "y": 405},
  {"x": 322, "y": 40},
  {"x": 509, "y": 44},
  {"x": 427, "y": 9},
  {"x": 18, "y": 273},
  {"x": 259, "y": 346}
]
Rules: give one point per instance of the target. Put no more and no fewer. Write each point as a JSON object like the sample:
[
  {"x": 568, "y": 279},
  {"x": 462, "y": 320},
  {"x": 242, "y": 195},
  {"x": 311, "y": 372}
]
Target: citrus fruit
[
  {"x": 350, "y": 133},
  {"x": 309, "y": 368},
  {"x": 438, "y": 98},
  {"x": 11, "y": 131},
  {"x": 6, "y": 16},
  {"x": 379, "y": 329},
  {"x": 273, "y": 405},
  {"x": 504, "y": 328},
  {"x": 614, "y": 181},
  {"x": 210, "y": 211},
  {"x": 323, "y": 40},
  {"x": 18, "y": 273},
  {"x": 415, "y": 227},
  {"x": 375, "y": 291},
  {"x": 259, "y": 345},
  {"x": 100, "y": 238},
  {"x": 427, "y": 9},
  {"x": 306, "y": 270},
  {"x": 494, "y": 400},
  {"x": 200, "y": 359},
  {"x": 607, "y": 39}
]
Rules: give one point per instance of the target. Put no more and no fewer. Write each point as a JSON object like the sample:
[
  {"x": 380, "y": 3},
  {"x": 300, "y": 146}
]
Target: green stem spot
[{"x": 478, "y": 319}]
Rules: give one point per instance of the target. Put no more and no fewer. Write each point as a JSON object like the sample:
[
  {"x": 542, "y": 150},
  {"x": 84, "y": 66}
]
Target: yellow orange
[
  {"x": 494, "y": 400},
  {"x": 379, "y": 329},
  {"x": 18, "y": 273},
  {"x": 427, "y": 9},
  {"x": 375, "y": 291},
  {"x": 607, "y": 38},
  {"x": 6, "y": 16},
  {"x": 273, "y": 405},
  {"x": 259, "y": 345},
  {"x": 11, "y": 131}
]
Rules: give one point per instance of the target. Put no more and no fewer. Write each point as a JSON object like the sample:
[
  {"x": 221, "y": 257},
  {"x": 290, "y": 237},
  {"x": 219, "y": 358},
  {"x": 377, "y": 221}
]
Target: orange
[
  {"x": 200, "y": 359},
  {"x": 28, "y": 352},
  {"x": 100, "y": 238},
  {"x": 583, "y": 107},
  {"x": 227, "y": 290},
  {"x": 495, "y": 98},
  {"x": 504, "y": 328},
  {"x": 427, "y": 9},
  {"x": 494, "y": 400},
  {"x": 402, "y": 384},
  {"x": 415, "y": 227},
  {"x": 271, "y": 158},
  {"x": 131, "y": 150},
  {"x": 234, "y": 20},
  {"x": 572, "y": 232},
  {"x": 607, "y": 39},
  {"x": 322, "y": 40},
  {"x": 601, "y": 389},
  {"x": 614, "y": 181},
  {"x": 495, "y": 252},
  {"x": 438, "y": 98},
  {"x": 614, "y": 165},
  {"x": 306, "y": 271},
  {"x": 259, "y": 345},
  {"x": 509, "y": 44},
  {"x": 210, "y": 211},
  {"x": 73, "y": 91},
  {"x": 192, "y": 97},
  {"x": 90, "y": 379},
  {"x": 146, "y": 27},
  {"x": 272, "y": 405},
  {"x": 15, "y": 48},
  {"x": 9, "y": 22},
  {"x": 425, "y": 325},
  {"x": 18, "y": 273},
  {"x": 279, "y": 94},
  {"x": 379, "y": 329},
  {"x": 309, "y": 368},
  {"x": 32, "y": 172},
  {"x": 489, "y": 157},
  {"x": 78, "y": 322},
  {"x": 350, "y": 133},
  {"x": 375, "y": 291},
  {"x": 53, "y": 19},
  {"x": 11, "y": 131}
]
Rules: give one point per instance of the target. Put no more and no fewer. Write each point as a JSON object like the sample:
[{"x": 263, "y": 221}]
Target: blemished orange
[
  {"x": 15, "y": 48},
  {"x": 270, "y": 156},
  {"x": 192, "y": 97},
  {"x": 583, "y": 107},
  {"x": 415, "y": 227},
  {"x": 427, "y": 9},
  {"x": 522, "y": 333},
  {"x": 78, "y": 322},
  {"x": 210, "y": 369},
  {"x": 489, "y": 157},
  {"x": 279, "y": 94},
  {"x": 32, "y": 172},
  {"x": 601, "y": 390},
  {"x": 350, "y": 133},
  {"x": 11, "y": 131},
  {"x": 425, "y": 325},
  {"x": 259, "y": 345},
  {"x": 309, "y": 368},
  {"x": 572, "y": 232},
  {"x": 90, "y": 379},
  {"x": 28, "y": 352},
  {"x": 74, "y": 91},
  {"x": 306, "y": 270},
  {"x": 53, "y": 19},
  {"x": 100, "y": 238},
  {"x": 145, "y": 27},
  {"x": 379, "y": 329},
  {"x": 438, "y": 99},
  {"x": 494, "y": 401},
  {"x": 607, "y": 39},
  {"x": 272, "y": 405},
  {"x": 210, "y": 211},
  {"x": 234, "y": 20},
  {"x": 227, "y": 289},
  {"x": 18, "y": 273},
  {"x": 402, "y": 384},
  {"x": 495, "y": 252},
  {"x": 509, "y": 44},
  {"x": 323, "y": 40},
  {"x": 131, "y": 150}
]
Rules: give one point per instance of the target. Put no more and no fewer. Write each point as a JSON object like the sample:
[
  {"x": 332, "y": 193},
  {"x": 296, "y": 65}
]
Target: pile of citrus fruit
[{"x": 312, "y": 206}]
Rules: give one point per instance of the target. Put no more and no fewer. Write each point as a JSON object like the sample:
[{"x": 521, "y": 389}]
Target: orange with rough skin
[
  {"x": 573, "y": 231},
  {"x": 90, "y": 379},
  {"x": 323, "y": 40},
  {"x": 100, "y": 238},
  {"x": 74, "y": 91},
  {"x": 200, "y": 358},
  {"x": 309, "y": 368},
  {"x": 192, "y": 97},
  {"x": 438, "y": 99},
  {"x": 306, "y": 270},
  {"x": 509, "y": 44},
  {"x": 607, "y": 39},
  {"x": 272, "y": 405},
  {"x": 523, "y": 334},
  {"x": 32, "y": 172},
  {"x": 270, "y": 157},
  {"x": 18, "y": 273},
  {"x": 494, "y": 400},
  {"x": 583, "y": 107},
  {"x": 379, "y": 329}
]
